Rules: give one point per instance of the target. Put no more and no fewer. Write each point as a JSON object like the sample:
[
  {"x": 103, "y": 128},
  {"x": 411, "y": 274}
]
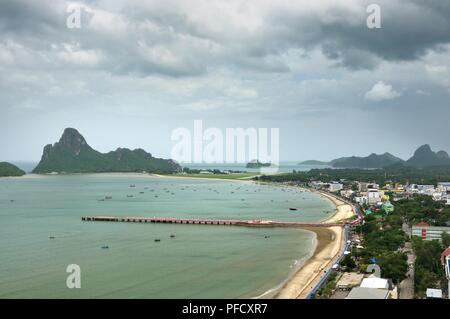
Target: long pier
[{"x": 232, "y": 222}]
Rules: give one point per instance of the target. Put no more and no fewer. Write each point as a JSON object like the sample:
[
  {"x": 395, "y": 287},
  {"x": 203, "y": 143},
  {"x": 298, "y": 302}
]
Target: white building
[
  {"x": 443, "y": 187},
  {"x": 347, "y": 193},
  {"x": 373, "y": 196},
  {"x": 368, "y": 293},
  {"x": 434, "y": 293},
  {"x": 437, "y": 196},
  {"x": 364, "y": 187},
  {"x": 335, "y": 187},
  {"x": 375, "y": 283},
  {"x": 362, "y": 200},
  {"x": 427, "y": 232}
]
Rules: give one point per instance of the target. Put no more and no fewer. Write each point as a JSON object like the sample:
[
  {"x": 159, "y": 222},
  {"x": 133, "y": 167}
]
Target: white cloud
[
  {"x": 72, "y": 54},
  {"x": 422, "y": 92},
  {"x": 381, "y": 91}
]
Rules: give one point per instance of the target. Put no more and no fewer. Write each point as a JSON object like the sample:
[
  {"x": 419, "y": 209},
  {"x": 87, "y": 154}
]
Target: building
[
  {"x": 362, "y": 200},
  {"x": 399, "y": 196},
  {"x": 364, "y": 187},
  {"x": 387, "y": 207},
  {"x": 317, "y": 184},
  {"x": 443, "y": 187},
  {"x": 373, "y": 196},
  {"x": 349, "y": 280},
  {"x": 427, "y": 232},
  {"x": 437, "y": 196},
  {"x": 347, "y": 193},
  {"x": 375, "y": 283},
  {"x": 434, "y": 293},
  {"x": 335, "y": 187},
  {"x": 368, "y": 293},
  {"x": 445, "y": 260}
]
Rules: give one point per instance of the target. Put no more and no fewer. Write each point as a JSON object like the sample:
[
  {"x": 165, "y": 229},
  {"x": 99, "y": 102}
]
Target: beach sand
[{"x": 329, "y": 243}]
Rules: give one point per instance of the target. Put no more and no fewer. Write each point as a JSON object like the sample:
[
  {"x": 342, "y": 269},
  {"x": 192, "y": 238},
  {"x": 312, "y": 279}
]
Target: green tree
[
  {"x": 394, "y": 266},
  {"x": 348, "y": 262},
  {"x": 445, "y": 240}
]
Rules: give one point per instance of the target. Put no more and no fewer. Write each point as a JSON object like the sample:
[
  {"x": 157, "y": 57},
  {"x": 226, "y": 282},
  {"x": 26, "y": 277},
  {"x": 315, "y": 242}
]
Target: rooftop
[
  {"x": 375, "y": 282},
  {"x": 349, "y": 279},
  {"x": 434, "y": 293},
  {"x": 444, "y": 254},
  {"x": 367, "y": 293}
]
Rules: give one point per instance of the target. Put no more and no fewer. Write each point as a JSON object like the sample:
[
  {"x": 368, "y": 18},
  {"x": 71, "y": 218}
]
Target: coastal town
[{"x": 405, "y": 229}]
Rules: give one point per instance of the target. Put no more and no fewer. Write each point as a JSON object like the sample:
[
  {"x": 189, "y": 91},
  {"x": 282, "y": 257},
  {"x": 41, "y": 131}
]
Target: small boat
[
  {"x": 157, "y": 240},
  {"x": 129, "y": 195},
  {"x": 108, "y": 197},
  {"x": 52, "y": 237},
  {"x": 105, "y": 247},
  {"x": 266, "y": 236},
  {"x": 141, "y": 192},
  {"x": 132, "y": 185},
  {"x": 172, "y": 236},
  {"x": 291, "y": 208}
]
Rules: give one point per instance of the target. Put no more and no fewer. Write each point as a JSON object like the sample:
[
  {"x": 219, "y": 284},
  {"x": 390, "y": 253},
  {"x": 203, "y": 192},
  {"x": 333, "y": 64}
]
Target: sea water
[{"x": 41, "y": 233}]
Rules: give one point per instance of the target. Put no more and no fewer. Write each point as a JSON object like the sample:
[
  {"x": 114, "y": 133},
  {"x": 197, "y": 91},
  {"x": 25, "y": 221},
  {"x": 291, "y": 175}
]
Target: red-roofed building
[
  {"x": 445, "y": 258},
  {"x": 444, "y": 255},
  {"x": 427, "y": 232}
]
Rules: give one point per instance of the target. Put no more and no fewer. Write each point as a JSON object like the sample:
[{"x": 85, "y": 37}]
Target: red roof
[
  {"x": 422, "y": 224},
  {"x": 444, "y": 254}
]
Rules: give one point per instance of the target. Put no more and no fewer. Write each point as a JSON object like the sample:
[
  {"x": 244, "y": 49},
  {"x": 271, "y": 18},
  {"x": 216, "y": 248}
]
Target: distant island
[
  {"x": 256, "y": 164},
  {"x": 72, "y": 154},
  {"x": 313, "y": 162},
  {"x": 423, "y": 157},
  {"x": 8, "y": 169}
]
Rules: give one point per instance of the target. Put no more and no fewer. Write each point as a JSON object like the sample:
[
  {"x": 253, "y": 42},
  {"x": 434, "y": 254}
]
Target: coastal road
[{"x": 406, "y": 287}]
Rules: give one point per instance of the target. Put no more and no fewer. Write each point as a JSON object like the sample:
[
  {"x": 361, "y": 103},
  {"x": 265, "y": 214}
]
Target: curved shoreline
[{"x": 329, "y": 244}]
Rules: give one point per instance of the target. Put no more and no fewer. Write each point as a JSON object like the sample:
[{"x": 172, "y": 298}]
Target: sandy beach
[{"x": 329, "y": 244}]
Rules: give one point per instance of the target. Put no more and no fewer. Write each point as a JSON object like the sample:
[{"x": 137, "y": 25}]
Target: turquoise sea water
[{"x": 200, "y": 262}]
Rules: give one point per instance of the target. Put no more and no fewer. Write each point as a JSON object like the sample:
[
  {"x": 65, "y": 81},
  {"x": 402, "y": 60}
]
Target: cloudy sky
[{"x": 137, "y": 70}]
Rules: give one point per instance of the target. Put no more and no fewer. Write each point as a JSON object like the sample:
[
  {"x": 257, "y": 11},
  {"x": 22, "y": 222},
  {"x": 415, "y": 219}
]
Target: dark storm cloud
[{"x": 171, "y": 40}]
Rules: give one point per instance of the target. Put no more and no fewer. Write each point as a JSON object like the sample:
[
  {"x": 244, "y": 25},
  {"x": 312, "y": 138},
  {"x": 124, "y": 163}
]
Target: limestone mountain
[
  {"x": 72, "y": 154},
  {"x": 425, "y": 157}
]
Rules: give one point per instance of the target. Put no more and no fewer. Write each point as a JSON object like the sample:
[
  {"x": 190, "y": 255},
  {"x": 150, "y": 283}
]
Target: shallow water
[{"x": 202, "y": 261}]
